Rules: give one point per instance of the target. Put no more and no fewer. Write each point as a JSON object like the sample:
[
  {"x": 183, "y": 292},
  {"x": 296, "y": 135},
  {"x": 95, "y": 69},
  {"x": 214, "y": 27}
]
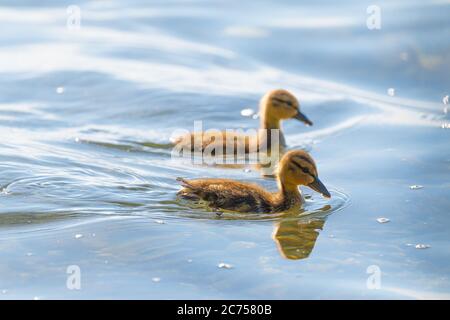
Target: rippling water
[{"x": 86, "y": 176}]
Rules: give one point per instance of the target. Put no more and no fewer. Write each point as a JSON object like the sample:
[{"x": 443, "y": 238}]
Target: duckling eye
[
  {"x": 306, "y": 171},
  {"x": 278, "y": 101},
  {"x": 303, "y": 169}
]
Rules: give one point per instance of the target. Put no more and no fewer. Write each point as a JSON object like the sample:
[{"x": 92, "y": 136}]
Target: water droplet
[
  {"x": 331, "y": 236},
  {"x": 247, "y": 112},
  {"x": 255, "y": 116},
  {"x": 247, "y": 170},
  {"x": 156, "y": 279},
  {"x": 416, "y": 187},
  {"x": 391, "y": 92},
  {"x": 224, "y": 265},
  {"x": 160, "y": 221},
  {"x": 445, "y": 125},
  {"x": 77, "y": 139},
  {"x": 93, "y": 235},
  {"x": 60, "y": 90},
  {"x": 445, "y": 99},
  {"x": 422, "y": 246},
  {"x": 78, "y": 236},
  {"x": 383, "y": 220}
]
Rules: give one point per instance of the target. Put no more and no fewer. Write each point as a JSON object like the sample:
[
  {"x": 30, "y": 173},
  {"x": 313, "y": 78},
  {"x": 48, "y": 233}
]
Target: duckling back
[{"x": 228, "y": 194}]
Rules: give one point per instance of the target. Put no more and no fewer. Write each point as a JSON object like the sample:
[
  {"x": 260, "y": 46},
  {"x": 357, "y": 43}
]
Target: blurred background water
[{"x": 86, "y": 176}]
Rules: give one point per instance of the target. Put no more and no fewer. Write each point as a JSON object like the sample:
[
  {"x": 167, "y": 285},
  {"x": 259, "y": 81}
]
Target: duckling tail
[
  {"x": 189, "y": 191},
  {"x": 185, "y": 183}
]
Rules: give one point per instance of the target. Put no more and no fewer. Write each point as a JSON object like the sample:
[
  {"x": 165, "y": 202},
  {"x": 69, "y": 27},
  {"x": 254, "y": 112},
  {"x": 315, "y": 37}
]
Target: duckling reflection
[
  {"x": 275, "y": 106},
  {"x": 296, "y": 237}
]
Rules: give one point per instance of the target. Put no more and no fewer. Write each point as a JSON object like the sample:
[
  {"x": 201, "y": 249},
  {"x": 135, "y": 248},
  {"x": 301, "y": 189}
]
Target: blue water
[{"x": 87, "y": 178}]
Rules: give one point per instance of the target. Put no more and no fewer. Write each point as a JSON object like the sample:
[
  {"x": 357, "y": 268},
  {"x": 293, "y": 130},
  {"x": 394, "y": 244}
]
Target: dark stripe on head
[
  {"x": 305, "y": 170},
  {"x": 288, "y": 102},
  {"x": 306, "y": 159}
]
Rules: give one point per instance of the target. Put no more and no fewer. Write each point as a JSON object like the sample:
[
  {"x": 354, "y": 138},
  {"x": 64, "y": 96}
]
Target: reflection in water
[{"x": 296, "y": 237}]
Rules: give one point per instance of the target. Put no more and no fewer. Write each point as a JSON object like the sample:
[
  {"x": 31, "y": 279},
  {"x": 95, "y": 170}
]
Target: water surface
[{"x": 86, "y": 177}]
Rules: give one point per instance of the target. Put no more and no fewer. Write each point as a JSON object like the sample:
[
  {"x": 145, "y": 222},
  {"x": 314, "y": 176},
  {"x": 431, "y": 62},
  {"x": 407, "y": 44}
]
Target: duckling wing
[
  {"x": 222, "y": 141},
  {"x": 197, "y": 141},
  {"x": 227, "y": 194}
]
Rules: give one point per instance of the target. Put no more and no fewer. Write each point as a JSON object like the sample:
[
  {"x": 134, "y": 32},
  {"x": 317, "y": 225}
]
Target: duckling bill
[
  {"x": 296, "y": 168},
  {"x": 275, "y": 106}
]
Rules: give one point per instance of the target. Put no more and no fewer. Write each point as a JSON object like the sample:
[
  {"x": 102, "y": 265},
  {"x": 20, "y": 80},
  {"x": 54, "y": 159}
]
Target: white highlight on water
[
  {"x": 391, "y": 92},
  {"x": 224, "y": 265},
  {"x": 78, "y": 236},
  {"x": 60, "y": 90},
  {"x": 383, "y": 220},
  {"x": 416, "y": 187},
  {"x": 422, "y": 246},
  {"x": 247, "y": 112}
]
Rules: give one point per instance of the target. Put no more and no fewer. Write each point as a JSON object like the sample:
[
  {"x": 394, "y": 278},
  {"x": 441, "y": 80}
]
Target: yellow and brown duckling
[
  {"x": 295, "y": 168},
  {"x": 275, "y": 106}
]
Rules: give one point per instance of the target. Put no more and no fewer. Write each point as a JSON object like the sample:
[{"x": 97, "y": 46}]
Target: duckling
[
  {"x": 275, "y": 106},
  {"x": 295, "y": 168}
]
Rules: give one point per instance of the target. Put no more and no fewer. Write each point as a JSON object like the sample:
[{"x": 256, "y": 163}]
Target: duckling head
[
  {"x": 279, "y": 105},
  {"x": 296, "y": 168}
]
